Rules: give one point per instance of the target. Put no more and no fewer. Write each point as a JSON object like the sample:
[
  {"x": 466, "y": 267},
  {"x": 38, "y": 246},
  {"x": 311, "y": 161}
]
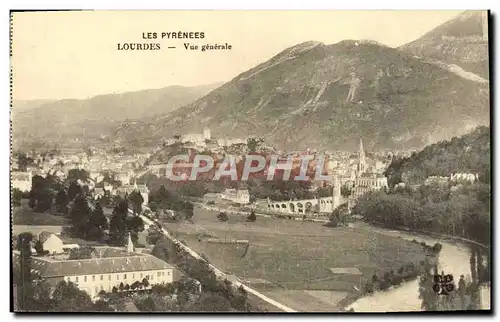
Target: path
[{"x": 219, "y": 273}]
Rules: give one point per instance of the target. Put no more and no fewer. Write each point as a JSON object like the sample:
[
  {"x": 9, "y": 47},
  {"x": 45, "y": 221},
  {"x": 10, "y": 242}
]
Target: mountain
[
  {"x": 97, "y": 116},
  {"x": 462, "y": 41},
  {"x": 23, "y": 105},
  {"x": 299, "y": 99}
]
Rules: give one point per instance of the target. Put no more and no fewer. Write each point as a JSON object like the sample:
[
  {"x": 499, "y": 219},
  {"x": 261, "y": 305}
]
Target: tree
[
  {"x": 153, "y": 206},
  {"x": 118, "y": 229},
  {"x": 345, "y": 191},
  {"x": 252, "y": 217},
  {"x": 136, "y": 199},
  {"x": 148, "y": 304},
  {"x": 25, "y": 282},
  {"x": 17, "y": 195},
  {"x": 79, "y": 215},
  {"x": 222, "y": 217},
  {"x": 135, "y": 225},
  {"x": 136, "y": 285},
  {"x": 69, "y": 298},
  {"x": 61, "y": 201},
  {"x": 44, "y": 200},
  {"x": 210, "y": 302},
  {"x": 39, "y": 248},
  {"x": 154, "y": 234},
  {"x": 97, "y": 223},
  {"x": 162, "y": 196},
  {"x": 254, "y": 144},
  {"x": 333, "y": 221},
  {"x": 41, "y": 195},
  {"x": 78, "y": 174},
  {"x": 42, "y": 297},
  {"x": 74, "y": 189},
  {"x": 189, "y": 210},
  {"x": 162, "y": 249}
]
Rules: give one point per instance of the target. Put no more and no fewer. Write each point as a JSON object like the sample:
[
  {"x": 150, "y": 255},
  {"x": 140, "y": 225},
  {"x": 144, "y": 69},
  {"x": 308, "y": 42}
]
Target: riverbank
[
  {"x": 453, "y": 259},
  {"x": 307, "y": 266},
  {"x": 449, "y": 238}
]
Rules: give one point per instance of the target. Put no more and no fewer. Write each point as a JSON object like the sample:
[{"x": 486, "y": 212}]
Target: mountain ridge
[
  {"x": 462, "y": 40},
  {"x": 96, "y": 116},
  {"x": 296, "y": 93}
]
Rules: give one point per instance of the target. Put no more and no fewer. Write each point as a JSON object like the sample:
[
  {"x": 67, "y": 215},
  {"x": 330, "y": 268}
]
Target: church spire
[
  {"x": 130, "y": 244},
  {"x": 361, "y": 158}
]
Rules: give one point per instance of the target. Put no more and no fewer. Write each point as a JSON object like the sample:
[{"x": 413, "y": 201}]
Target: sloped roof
[
  {"x": 44, "y": 235},
  {"x": 54, "y": 268}
]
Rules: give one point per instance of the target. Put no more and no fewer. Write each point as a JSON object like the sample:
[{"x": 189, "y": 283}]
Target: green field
[
  {"x": 24, "y": 215},
  {"x": 291, "y": 261}
]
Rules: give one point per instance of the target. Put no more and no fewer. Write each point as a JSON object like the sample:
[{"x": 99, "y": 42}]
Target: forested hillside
[{"x": 469, "y": 153}]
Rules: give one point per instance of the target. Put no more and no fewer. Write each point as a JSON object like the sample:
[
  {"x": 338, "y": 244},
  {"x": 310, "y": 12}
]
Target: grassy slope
[{"x": 25, "y": 216}]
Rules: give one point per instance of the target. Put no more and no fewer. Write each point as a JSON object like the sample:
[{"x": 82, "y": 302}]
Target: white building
[
  {"x": 206, "y": 134},
  {"x": 51, "y": 243},
  {"x": 21, "y": 181},
  {"x": 125, "y": 176},
  {"x": 464, "y": 177},
  {"x": 108, "y": 269},
  {"x": 237, "y": 196},
  {"x": 192, "y": 137}
]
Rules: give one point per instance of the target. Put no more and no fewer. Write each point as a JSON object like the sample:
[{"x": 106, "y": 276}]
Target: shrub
[
  {"x": 384, "y": 285},
  {"x": 369, "y": 288},
  {"x": 252, "y": 217},
  {"x": 397, "y": 279},
  {"x": 222, "y": 217},
  {"x": 437, "y": 247}
]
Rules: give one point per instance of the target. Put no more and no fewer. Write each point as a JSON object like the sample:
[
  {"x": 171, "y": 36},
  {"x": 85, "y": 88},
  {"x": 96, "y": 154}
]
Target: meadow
[
  {"x": 24, "y": 215},
  {"x": 296, "y": 262}
]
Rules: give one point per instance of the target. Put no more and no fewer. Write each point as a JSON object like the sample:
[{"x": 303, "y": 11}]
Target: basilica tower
[
  {"x": 361, "y": 158},
  {"x": 336, "y": 192}
]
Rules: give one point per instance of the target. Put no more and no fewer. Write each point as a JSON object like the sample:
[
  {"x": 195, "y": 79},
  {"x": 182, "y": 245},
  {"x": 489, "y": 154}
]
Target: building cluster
[
  {"x": 359, "y": 176},
  {"x": 108, "y": 269},
  {"x": 237, "y": 196},
  {"x": 204, "y": 142},
  {"x": 112, "y": 173},
  {"x": 453, "y": 178}
]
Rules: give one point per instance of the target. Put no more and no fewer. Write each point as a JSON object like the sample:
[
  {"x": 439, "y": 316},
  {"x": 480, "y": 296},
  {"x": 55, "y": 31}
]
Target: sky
[{"x": 59, "y": 55}]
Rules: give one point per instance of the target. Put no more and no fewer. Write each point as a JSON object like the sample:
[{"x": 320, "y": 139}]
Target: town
[
  {"x": 108, "y": 218},
  {"x": 348, "y": 172}
]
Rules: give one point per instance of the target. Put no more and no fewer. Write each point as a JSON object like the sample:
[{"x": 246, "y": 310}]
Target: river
[{"x": 453, "y": 259}]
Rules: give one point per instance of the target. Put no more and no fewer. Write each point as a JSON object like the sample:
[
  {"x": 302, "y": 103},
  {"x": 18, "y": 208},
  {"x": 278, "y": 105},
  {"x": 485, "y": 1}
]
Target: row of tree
[
  {"x": 224, "y": 292},
  {"x": 35, "y": 294},
  {"x": 461, "y": 211}
]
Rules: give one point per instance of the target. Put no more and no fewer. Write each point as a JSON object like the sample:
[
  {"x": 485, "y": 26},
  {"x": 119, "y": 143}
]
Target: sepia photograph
[{"x": 298, "y": 161}]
